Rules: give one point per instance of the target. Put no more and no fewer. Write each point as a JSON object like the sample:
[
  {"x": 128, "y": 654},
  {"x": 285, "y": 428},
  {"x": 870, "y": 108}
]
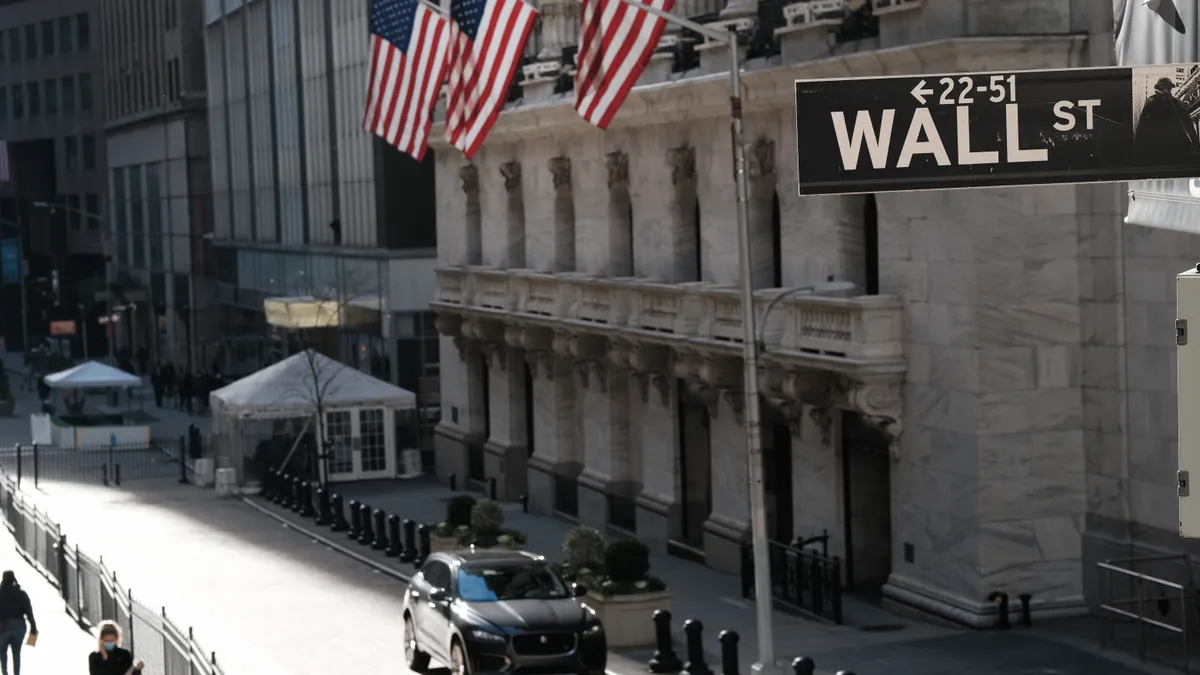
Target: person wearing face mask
[
  {"x": 14, "y": 609},
  {"x": 110, "y": 658}
]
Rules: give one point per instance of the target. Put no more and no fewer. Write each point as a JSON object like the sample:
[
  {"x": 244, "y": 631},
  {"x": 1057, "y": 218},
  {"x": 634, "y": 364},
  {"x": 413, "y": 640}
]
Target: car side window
[{"x": 437, "y": 575}]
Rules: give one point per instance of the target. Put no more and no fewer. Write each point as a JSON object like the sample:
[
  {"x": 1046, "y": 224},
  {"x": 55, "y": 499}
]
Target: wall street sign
[{"x": 963, "y": 130}]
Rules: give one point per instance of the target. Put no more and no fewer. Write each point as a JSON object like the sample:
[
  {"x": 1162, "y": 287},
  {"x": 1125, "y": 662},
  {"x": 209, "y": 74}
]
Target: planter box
[
  {"x": 629, "y": 619},
  {"x": 442, "y": 544}
]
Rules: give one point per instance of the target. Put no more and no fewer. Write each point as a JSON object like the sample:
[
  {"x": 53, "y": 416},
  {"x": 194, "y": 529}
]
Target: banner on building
[
  {"x": 10, "y": 260},
  {"x": 969, "y": 130}
]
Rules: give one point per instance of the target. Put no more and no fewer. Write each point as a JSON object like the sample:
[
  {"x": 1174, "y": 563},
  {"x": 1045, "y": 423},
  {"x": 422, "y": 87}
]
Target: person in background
[
  {"x": 187, "y": 385},
  {"x": 14, "y": 609},
  {"x": 157, "y": 384},
  {"x": 110, "y": 658}
]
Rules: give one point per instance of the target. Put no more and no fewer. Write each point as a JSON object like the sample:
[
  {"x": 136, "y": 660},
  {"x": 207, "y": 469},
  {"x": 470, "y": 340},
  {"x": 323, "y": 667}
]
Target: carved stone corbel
[
  {"x": 495, "y": 353},
  {"x": 469, "y": 175},
  {"x": 541, "y": 362},
  {"x": 882, "y": 406},
  {"x": 824, "y": 419},
  {"x": 761, "y": 159},
  {"x": 514, "y": 336},
  {"x": 593, "y": 371},
  {"x": 737, "y": 402},
  {"x": 511, "y": 171},
  {"x": 652, "y": 365},
  {"x": 792, "y": 411},
  {"x": 560, "y": 168},
  {"x": 451, "y": 325},
  {"x": 683, "y": 164},
  {"x": 709, "y": 396},
  {"x": 618, "y": 169},
  {"x": 620, "y": 354}
]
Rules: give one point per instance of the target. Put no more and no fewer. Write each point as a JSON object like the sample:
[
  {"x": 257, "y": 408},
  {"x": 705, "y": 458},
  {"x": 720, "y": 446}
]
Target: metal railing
[
  {"x": 92, "y": 594},
  {"x": 104, "y": 464},
  {"x": 802, "y": 580},
  {"x": 1135, "y": 600}
]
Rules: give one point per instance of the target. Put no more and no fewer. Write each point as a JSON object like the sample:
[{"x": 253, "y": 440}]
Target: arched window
[
  {"x": 776, "y": 243},
  {"x": 871, "y": 244}
]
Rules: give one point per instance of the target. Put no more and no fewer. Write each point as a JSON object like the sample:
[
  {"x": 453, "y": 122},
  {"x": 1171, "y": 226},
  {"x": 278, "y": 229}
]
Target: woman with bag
[
  {"x": 14, "y": 610},
  {"x": 110, "y": 658}
]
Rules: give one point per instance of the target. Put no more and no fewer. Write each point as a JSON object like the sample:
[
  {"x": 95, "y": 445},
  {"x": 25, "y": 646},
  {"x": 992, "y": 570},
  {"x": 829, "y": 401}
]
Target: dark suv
[{"x": 489, "y": 611}]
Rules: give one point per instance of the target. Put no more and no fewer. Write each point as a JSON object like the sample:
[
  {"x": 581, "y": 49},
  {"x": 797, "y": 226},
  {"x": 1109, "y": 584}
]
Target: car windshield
[{"x": 532, "y": 582}]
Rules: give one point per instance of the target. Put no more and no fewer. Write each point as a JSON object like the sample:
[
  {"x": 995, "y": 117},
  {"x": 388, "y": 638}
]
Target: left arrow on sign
[{"x": 919, "y": 92}]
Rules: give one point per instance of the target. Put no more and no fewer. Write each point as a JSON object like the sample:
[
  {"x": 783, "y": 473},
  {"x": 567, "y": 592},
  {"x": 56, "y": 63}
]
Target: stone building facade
[{"x": 989, "y": 410}]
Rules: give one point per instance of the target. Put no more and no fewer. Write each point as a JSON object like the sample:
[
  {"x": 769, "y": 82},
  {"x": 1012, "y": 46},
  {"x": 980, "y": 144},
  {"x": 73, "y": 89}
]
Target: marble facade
[{"x": 1015, "y": 356}]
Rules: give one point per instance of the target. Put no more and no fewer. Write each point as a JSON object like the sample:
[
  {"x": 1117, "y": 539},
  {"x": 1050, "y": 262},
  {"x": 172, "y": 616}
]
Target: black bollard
[
  {"x": 452, "y": 479},
  {"x": 409, "y": 553},
  {"x": 492, "y": 489},
  {"x": 367, "y": 536},
  {"x": 103, "y": 475},
  {"x": 1026, "y": 617},
  {"x": 524, "y": 503},
  {"x": 306, "y": 509},
  {"x": 395, "y": 545},
  {"x": 323, "y": 517},
  {"x": 802, "y": 665},
  {"x": 338, "y": 522},
  {"x": 284, "y": 490},
  {"x": 355, "y": 520},
  {"x": 729, "y": 652},
  {"x": 36, "y": 464},
  {"x": 422, "y": 546},
  {"x": 664, "y": 660},
  {"x": 694, "y": 631},
  {"x": 297, "y": 495},
  {"x": 381, "y": 538},
  {"x": 1001, "y": 600}
]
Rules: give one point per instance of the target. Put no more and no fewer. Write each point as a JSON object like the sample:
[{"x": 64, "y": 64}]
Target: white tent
[
  {"x": 292, "y": 387},
  {"x": 359, "y": 414},
  {"x": 92, "y": 375}
]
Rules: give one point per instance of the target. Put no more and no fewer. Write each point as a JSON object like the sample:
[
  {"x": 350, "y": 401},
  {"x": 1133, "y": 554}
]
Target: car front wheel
[
  {"x": 417, "y": 660},
  {"x": 458, "y": 660}
]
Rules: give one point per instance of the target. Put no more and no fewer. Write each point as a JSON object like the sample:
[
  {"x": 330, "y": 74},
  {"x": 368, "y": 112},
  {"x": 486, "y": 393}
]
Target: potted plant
[
  {"x": 625, "y": 594},
  {"x": 445, "y": 534},
  {"x": 583, "y": 554},
  {"x": 487, "y": 529}
]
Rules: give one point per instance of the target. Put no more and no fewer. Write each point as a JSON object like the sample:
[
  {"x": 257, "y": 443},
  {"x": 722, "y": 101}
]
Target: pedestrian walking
[
  {"x": 110, "y": 658},
  {"x": 187, "y": 384},
  {"x": 157, "y": 383},
  {"x": 14, "y": 610}
]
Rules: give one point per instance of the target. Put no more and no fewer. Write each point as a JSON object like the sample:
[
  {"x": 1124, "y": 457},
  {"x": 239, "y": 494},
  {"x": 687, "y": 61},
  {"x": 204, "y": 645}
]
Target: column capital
[
  {"x": 511, "y": 172},
  {"x": 761, "y": 159},
  {"x": 651, "y": 365},
  {"x": 469, "y": 175},
  {"x": 560, "y": 168},
  {"x": 618, "y": 169},
  {"x": 682, "y": 161}
]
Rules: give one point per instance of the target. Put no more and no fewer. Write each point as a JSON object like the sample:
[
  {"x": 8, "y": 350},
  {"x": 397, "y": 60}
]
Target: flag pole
[{"x": 758, "y": 516}]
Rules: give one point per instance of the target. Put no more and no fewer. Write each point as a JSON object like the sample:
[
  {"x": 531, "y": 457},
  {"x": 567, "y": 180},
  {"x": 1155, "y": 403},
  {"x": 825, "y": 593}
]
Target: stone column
[
  {"x": 620, "y": 211},
  {"x": 659, "y": 510},
  {"x": 760, "y": 160},
  {"x": 469, "y": 175},
  {"x": 554, "y": 441},
  {"x": 663, "y": 193},
  {"x": 507, "y": 445},
  {"x": 564, "y": 215},
  {"x": 514, "y": 214},
  {"x": 604, "y": 430},
  {"x": 463, "y": 424}
]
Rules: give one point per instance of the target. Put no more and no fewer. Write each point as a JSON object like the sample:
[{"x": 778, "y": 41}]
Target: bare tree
[{"x": 312, "y": 325}]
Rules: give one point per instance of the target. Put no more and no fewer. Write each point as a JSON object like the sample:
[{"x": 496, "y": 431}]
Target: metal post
[
  {"x": 758, "y": 512},
  {"x": 83, "y": 326}
]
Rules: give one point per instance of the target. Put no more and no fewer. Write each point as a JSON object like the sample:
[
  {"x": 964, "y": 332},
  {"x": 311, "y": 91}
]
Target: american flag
[
  {"x": 616, "y": 40},
  {"x": 488, "y": 38},
  {"x": 408, "y": 65},
  {"x": 5, "y": 171}
]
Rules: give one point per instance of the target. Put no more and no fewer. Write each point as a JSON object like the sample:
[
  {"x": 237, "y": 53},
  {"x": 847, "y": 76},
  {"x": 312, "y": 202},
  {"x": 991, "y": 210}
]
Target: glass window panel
[{"x": 374, "y": 443}]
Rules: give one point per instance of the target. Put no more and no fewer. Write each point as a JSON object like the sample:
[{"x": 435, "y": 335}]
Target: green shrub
[
  {"x": 583, "y": 547},
  {"x": 458, "y": 510},
  {"x": 487, "y": 518},
  {"x": 626, "y": 561},
  {"x": 443, "y": 529}
]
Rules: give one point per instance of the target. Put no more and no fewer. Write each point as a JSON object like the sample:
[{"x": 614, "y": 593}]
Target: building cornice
[{"x": 770, "y": 86}]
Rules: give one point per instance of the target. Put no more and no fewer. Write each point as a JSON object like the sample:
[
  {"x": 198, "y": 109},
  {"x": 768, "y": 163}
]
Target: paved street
[{"x": 62, "y": 646}]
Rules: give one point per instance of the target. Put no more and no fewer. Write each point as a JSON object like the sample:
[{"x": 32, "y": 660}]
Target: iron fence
[
  {"x": 92, "y": 593},
  {"x": 802, "y": 579},
  {"x": 104, "y": 464}
]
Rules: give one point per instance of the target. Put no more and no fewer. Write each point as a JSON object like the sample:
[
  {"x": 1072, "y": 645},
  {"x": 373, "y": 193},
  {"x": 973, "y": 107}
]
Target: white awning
[{"x": 92, "y": 375}]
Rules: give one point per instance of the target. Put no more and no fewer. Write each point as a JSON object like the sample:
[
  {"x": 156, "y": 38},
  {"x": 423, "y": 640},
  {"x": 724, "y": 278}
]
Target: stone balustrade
[{"x": 866, "y": 329}]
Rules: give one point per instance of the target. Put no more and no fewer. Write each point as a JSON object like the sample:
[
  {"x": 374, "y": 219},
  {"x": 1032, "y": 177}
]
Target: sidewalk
[{"x": 62, "y": 646}]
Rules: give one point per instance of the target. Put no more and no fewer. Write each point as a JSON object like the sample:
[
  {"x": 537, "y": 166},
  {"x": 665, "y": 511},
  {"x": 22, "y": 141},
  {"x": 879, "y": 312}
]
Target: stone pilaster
[
  {"x": 658, "y": 505},
  {"x": 620, "y": 211},
  {"x": 555, "y": 452},
  {"x": 514, "y": 214},
  {"x": 507, "y": 444},
  {"x": 760, "y": 166},
  {"x": 468, "y": 174}
]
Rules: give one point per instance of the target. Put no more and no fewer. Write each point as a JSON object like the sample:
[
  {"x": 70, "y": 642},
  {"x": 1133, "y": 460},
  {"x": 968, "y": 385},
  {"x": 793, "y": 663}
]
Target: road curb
[{"x": 291, "y": 524}]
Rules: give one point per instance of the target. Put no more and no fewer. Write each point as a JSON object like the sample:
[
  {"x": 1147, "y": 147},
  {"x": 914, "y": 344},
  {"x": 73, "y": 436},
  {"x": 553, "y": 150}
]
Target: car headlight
[
  {"x": 485, "y": 636},
  {"x": 594, "y": 629}
]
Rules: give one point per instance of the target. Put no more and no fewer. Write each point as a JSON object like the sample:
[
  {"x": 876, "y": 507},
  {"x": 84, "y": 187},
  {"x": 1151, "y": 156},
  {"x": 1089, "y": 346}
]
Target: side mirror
[
  {"x": 439, "y": 595},
  {"x": 578, "y": 590}
]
